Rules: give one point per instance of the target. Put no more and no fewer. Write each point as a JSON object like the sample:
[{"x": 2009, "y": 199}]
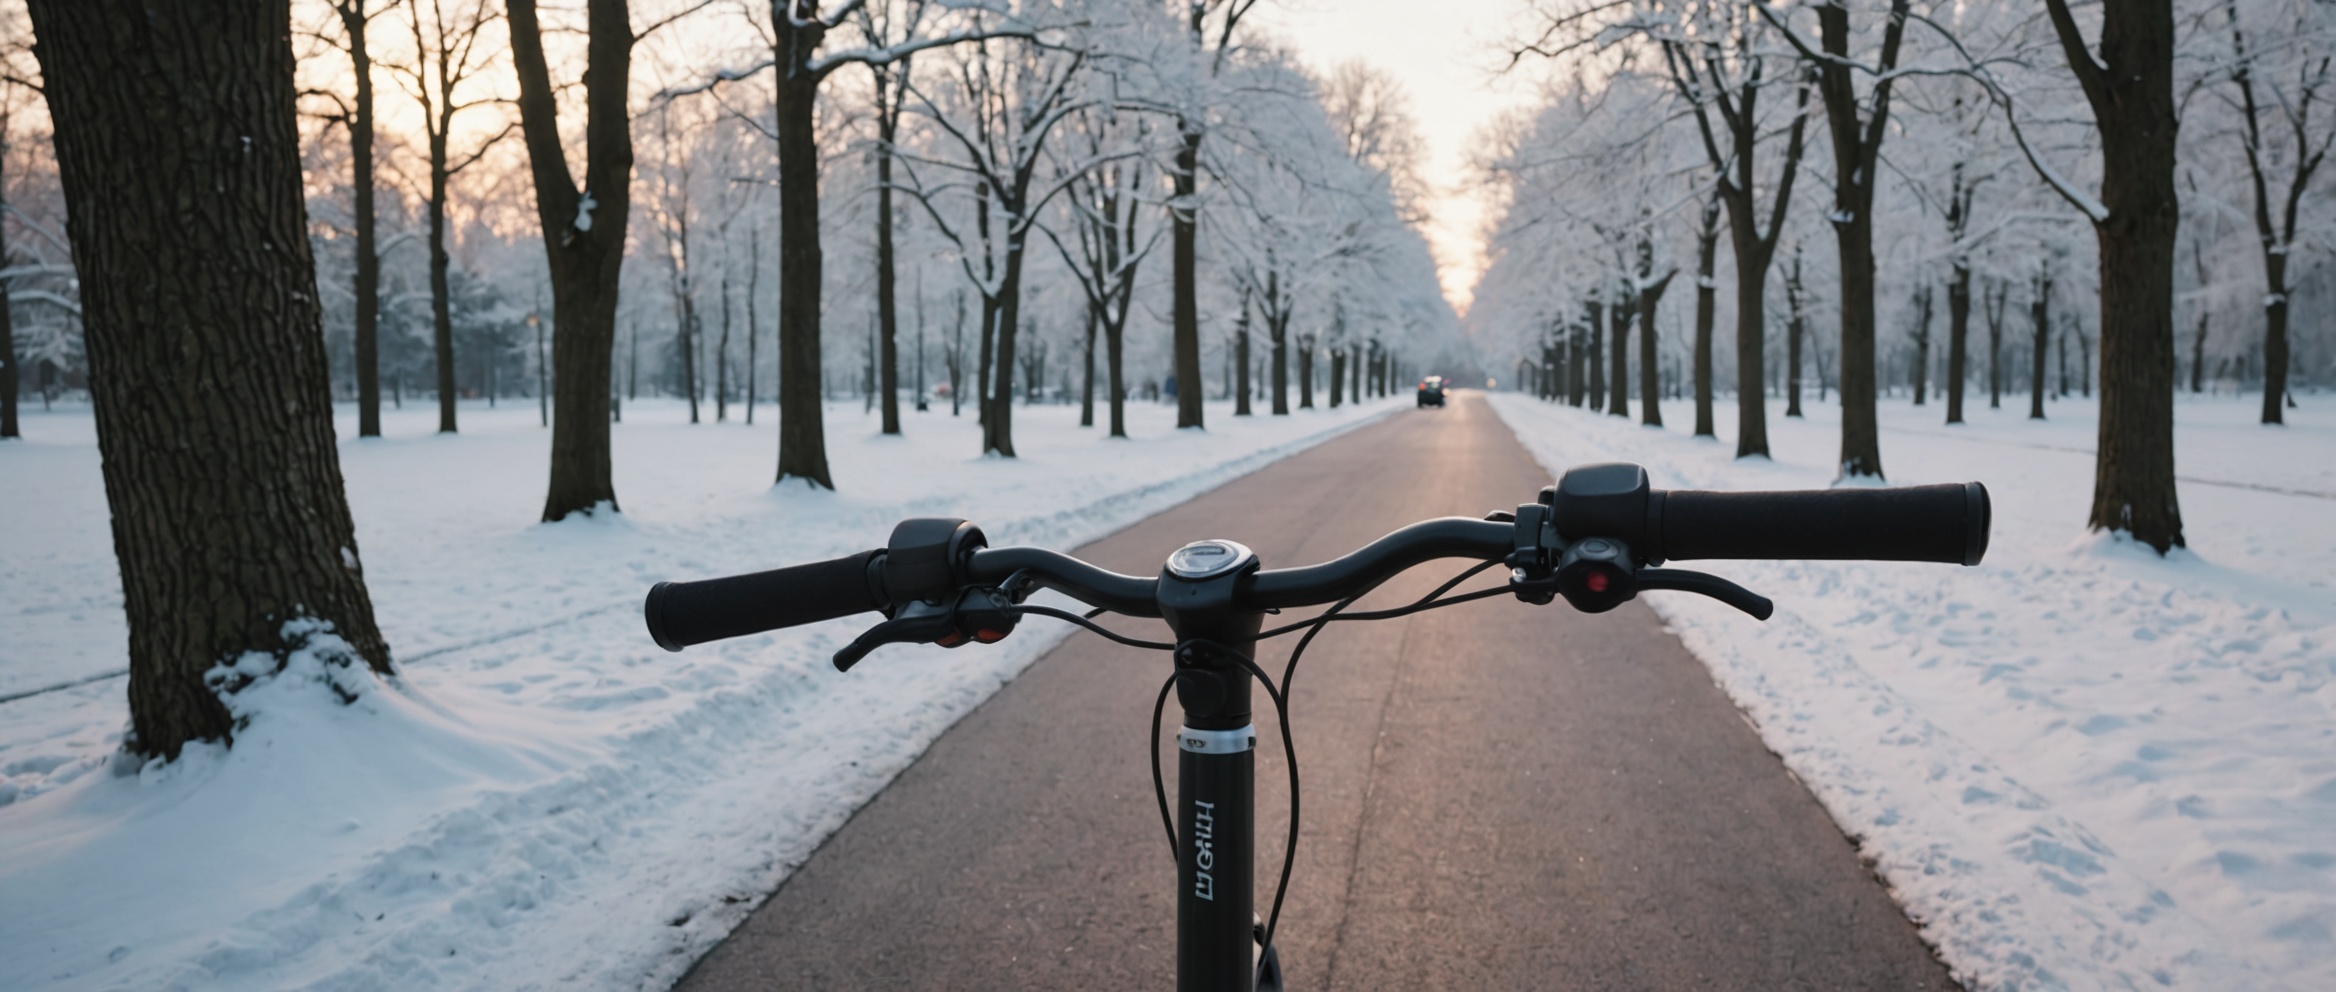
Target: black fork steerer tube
[
  {"x": 1216, "y": 796},
  {"x": 1216, "y": 782}
]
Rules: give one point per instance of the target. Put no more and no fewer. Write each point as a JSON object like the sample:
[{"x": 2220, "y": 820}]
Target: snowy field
[
  {"x": 2079, "y": 766},
  {"x": 544, "y": 799}
]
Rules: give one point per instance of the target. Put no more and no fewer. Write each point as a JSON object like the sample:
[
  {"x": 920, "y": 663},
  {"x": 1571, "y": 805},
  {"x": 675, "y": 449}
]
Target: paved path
[{"x": 1496, "y": 796}]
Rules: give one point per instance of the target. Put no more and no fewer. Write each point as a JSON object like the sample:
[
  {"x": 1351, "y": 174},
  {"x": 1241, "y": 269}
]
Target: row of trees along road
[
  {"x": 1009, "y": 165},
  {"x": 1992, "y": 136}
]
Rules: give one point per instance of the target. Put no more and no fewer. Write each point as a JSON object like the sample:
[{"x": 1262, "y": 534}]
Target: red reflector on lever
[
  {"x": 989, "y": 636},
  {"x": 1597, "y": 581}
]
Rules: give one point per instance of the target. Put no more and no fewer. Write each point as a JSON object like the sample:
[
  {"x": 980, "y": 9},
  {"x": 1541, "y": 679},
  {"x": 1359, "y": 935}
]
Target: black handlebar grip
[
  {"x": 1943, "y": 523},
  {"x": 684, "y": 613}
]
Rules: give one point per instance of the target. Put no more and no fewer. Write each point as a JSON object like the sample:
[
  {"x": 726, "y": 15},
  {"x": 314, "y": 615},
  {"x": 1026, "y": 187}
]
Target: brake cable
[{"x": 1278, "y": 693}]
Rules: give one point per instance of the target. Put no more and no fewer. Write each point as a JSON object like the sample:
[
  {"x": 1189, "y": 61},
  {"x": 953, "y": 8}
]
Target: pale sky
[{"x": 1445, "y": 54}]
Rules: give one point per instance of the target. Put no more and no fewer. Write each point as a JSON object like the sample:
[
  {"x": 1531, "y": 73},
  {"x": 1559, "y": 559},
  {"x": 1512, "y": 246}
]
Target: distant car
[{"x": 1431, "y": 391}]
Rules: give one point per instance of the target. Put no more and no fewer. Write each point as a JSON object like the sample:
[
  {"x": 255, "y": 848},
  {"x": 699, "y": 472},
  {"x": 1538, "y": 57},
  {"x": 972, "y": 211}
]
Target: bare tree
[
  {"x": 669, "y": 204},
  {"x": 1006, "y": 103},
  {"x": 1856, "y": 128},
  {"x": 1726, "y": 79},
  {"x": 1796, "y": 324},
  {"x": 583, "y": 238},
  {"x": 1106, "y": 202},
  {"x": 1707, "y": 236},
  {"x": 356, "y": 114},
  {"x": 447, "y": 55},
  {"x": 1372, "y": 113},
  {"x": 798, "y": 33},
  {"x": 1184, "y": 210},
  {"x": 2136, "y": 219},
  {"x": 212, "y": 488},
  {"x": 2302, "y": 150},
  {"x": 883, "y": 24}
]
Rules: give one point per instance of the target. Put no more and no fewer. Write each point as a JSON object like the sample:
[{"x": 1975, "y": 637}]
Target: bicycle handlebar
[
  {"x": 1942, "y": 523},
  {"x": 1945, "y": 523},
  {"x": 684, "y": 613}
]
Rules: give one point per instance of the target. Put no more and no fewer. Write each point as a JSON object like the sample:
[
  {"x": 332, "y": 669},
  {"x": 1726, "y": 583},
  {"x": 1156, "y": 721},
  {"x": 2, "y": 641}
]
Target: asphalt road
[{"x": 1496, "y": 795}]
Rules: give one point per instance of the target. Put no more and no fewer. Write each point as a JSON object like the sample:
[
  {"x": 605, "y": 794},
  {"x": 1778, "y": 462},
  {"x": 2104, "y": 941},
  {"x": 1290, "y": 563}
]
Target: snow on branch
[
  {"x": 1976, "y": 70},
  {"x": 889, "y": 54}
]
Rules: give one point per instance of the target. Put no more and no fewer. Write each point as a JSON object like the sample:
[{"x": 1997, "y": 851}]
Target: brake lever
[
  {"x": 916, "y": 623},
  {"x": 976, "y": 614},
  {"x": 1704, "y": 583}
]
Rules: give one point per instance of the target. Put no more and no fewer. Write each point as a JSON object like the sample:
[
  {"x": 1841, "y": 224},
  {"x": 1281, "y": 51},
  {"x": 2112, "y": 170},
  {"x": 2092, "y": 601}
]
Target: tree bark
[
  {"x": 1337, "y": 377},
  {"x": 1618, "y": 382},
  {"x": 1595, "y": 361},
  {"x": 1706, "y": 305},
  {"x": 1958, "y": 337},
  {"x": 208, "y": 372},
  {"x": 1183, "y": 235},
  {"x": 584, "y": 240},
  {"x": 722, "y": 344},
  {"x": 887, "y": 308},
  {"x": 2131, "y": 88},
  {"x": 10, "y": 370},
  {"x": 1305, "y": 372},
  {"x": 997, "y": 430},
  {"x": 368, "y": 289},
  {"x": 1857, "y": 147},
  {"x": 1241, "y": 363},
  {"x": 1087, "y": 389},
  {"x": 1280, "y": 332},
  {"x": 2040, "y": 313},
  {"x": 441, "y": 308},
  {"x": 1920, "y": 370},
  {"x": 754, "y": 323},
  {"x": 802, "y": 428},
  {"x": 1795, "y": 326},
  {"x": 1649, "y": 373},
  {"x": 1995, "y": 297}
]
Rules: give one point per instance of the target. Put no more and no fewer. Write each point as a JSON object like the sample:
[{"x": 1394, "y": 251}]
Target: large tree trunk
[
  {"x": 997, "y": 430},
  {"x": 1706, "y": 306},
  {"x": 1186, "y": 317},
  {"x": 1920, "y": 370},
  {"x": 1649, "y": 374},
  {"x": 1337, "y": 377},
  {"x": 10, "y": 370},
  {"x": 1281, "y": 366},
  {"x": 802, "y": 430},
  {"x": 1751, "y": 340},
  {"x": 368, "y": 343},
  {"x": 1856, "y": 150},
  {"x": 584, "y": 240},
  {"x": 441, "y": 308},
  {"x": 2040, "y": 313},
  {"x": 2131, "y": 88},
  {"x": 1861, "y": 438},
  {"x": 1241, "y": 361},
  {"x": 1087, "y": 387},
  {"x": 1958, "y": 338},
  {"x": 753, "y": 321},
  {"x": 1573, "y": 354},
  {"x": 1996, "y": 297},
  {"x": 1618, "y": 384},
  {"x": 722, "y": 348},
  {"x": 2133, "y": 484},
  {"x": 208, "y": 372},
  {"x": 1112, "y": 333},
  {"x": 1796, "y": 325},
  {"x": 887, "y": 309},
  {"x": 1305, "y": 372}
]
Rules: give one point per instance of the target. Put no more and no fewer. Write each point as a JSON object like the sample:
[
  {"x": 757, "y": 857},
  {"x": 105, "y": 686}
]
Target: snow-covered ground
[
  {"x": 543, "y": 798},
  {"x": 2079, "y": 765}
]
